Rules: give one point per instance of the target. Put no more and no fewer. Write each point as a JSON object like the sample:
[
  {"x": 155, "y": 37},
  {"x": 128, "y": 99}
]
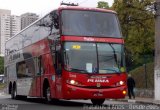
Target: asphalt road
[{"x": 6, "y": 103}]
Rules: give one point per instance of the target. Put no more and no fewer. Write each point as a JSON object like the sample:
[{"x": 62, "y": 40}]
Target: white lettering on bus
[
  {"x": 103, "y": 80},
  {"x": 98, "y": 80},
  {"x": 88, "y": 39},
  {"x": 90, "y": 80}
]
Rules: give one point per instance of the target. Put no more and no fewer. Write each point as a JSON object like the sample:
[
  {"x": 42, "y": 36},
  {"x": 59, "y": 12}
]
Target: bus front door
[{"x": 58, "y": 68}]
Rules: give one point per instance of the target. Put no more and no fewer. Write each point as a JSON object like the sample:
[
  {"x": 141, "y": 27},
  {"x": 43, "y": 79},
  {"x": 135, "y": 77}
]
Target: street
[{"x": 39, "y": 104}]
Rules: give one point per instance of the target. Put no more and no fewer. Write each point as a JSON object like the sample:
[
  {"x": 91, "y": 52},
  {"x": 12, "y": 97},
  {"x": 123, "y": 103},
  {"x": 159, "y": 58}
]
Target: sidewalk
[{"x": 142, "y": 100}]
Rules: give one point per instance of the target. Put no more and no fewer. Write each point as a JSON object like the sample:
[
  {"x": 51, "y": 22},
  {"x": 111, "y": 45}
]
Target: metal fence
[{"x": 147, "y": 93}]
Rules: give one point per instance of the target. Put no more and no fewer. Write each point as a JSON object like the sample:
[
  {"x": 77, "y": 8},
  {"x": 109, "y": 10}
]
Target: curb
[{"x": 154, "y": 102}]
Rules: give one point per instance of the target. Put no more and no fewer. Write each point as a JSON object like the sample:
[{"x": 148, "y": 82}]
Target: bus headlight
[
  {"x": 120, "y": 83},
  {"x": 73, "y": 82}
]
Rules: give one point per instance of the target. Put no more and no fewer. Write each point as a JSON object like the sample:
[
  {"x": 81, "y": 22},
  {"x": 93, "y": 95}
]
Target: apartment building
[
  {"x": 15, "y": 24},
  {"x": 27, "y": 19},
  {"x": 12, "y": 24},
  {"x": 5, "y": 31}
]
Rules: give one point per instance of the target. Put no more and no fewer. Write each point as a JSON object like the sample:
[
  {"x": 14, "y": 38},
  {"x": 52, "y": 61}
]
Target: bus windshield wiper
[{"x": 114, "y": 54}]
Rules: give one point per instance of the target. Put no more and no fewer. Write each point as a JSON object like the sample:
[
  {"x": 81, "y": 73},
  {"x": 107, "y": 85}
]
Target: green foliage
[
  {"x": 102, "y": 4},
  {"x": 137, "y": 22},
  {"x": 1, "y": 65},
  {"x": 2, "y": 86}
]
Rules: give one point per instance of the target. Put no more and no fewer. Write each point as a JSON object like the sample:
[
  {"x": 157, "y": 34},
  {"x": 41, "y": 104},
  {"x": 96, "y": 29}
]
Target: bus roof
[
  {"x": 85, "y": 8},
  {"x": 63, "y": 8}
]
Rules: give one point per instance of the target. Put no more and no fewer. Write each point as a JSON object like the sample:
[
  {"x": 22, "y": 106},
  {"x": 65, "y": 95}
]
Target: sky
[{"x": 42, "y": 7}]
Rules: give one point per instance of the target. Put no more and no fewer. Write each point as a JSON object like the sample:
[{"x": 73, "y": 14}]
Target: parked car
[{"x": 2, "y": 78}]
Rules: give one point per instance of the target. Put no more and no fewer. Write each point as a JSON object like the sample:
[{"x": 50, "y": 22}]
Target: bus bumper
[{"x": 73, "y": 92}]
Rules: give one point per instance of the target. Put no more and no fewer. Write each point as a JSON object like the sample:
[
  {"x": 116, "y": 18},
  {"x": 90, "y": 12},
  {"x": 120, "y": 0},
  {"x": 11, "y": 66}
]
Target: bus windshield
[
  {"x": 100, "y": 58},
  {"x": 90, "y": 23}
]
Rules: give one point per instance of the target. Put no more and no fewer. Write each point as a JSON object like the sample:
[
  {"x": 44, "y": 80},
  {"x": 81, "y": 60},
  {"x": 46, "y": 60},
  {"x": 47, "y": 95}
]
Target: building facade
[
  {"x": 5, "y": 31},
  {"x": 27, "y": 19},
  {"x": 12, "y": 24},
  {"x": 15, "y": 24}
]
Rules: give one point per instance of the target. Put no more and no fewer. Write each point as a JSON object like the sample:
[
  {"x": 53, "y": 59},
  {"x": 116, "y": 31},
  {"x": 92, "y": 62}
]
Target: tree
[
  {"x": 102, "y": 4},
  {"x": 137, "y": 22}
]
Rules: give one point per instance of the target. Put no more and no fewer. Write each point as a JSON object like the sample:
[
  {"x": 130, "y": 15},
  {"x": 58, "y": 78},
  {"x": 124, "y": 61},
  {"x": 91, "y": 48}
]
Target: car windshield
[
  {"x": 100, "y": 58},
  {"x": 90, "y": 23}
]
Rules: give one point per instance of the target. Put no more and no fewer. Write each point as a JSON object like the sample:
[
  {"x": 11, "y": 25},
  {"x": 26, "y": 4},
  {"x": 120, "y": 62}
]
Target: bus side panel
[
  {"x": 41, "y": 53},
  {"x": 31, "y": 54},
  {"x": 48, "y": 68}
]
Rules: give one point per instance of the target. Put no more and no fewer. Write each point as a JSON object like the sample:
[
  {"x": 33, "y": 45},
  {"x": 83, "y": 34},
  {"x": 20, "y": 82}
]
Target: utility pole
[{"x": 157, "y": 51}]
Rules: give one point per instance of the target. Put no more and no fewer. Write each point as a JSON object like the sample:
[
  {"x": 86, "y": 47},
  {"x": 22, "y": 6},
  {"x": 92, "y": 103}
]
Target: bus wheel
[
  {"x": 97, "y": 101},
  {"x": 13, "y": 93},
  {"x": 48, "y": 94}
]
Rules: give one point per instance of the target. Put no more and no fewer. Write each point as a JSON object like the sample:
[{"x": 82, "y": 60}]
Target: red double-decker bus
[{"x": 71, "y": 53}]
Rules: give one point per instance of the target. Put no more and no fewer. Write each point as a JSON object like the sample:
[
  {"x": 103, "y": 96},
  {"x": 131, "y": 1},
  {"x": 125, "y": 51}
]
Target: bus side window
[
  {"x": 22, "y": 70},
  {"x": 41, "y": 69},
  {"x": 39, "y": 66}
]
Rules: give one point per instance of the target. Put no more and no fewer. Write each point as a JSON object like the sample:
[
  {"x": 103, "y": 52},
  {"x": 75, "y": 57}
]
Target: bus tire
[
  {"x": 97, "y": 101},
  {"x": 10, "y": 88},
  {"x": 48, "y": 94},
  {"x": 14, "y": 92}
]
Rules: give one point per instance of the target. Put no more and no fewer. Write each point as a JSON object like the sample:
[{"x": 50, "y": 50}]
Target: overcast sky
[{"x": 41, "y": 7}]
